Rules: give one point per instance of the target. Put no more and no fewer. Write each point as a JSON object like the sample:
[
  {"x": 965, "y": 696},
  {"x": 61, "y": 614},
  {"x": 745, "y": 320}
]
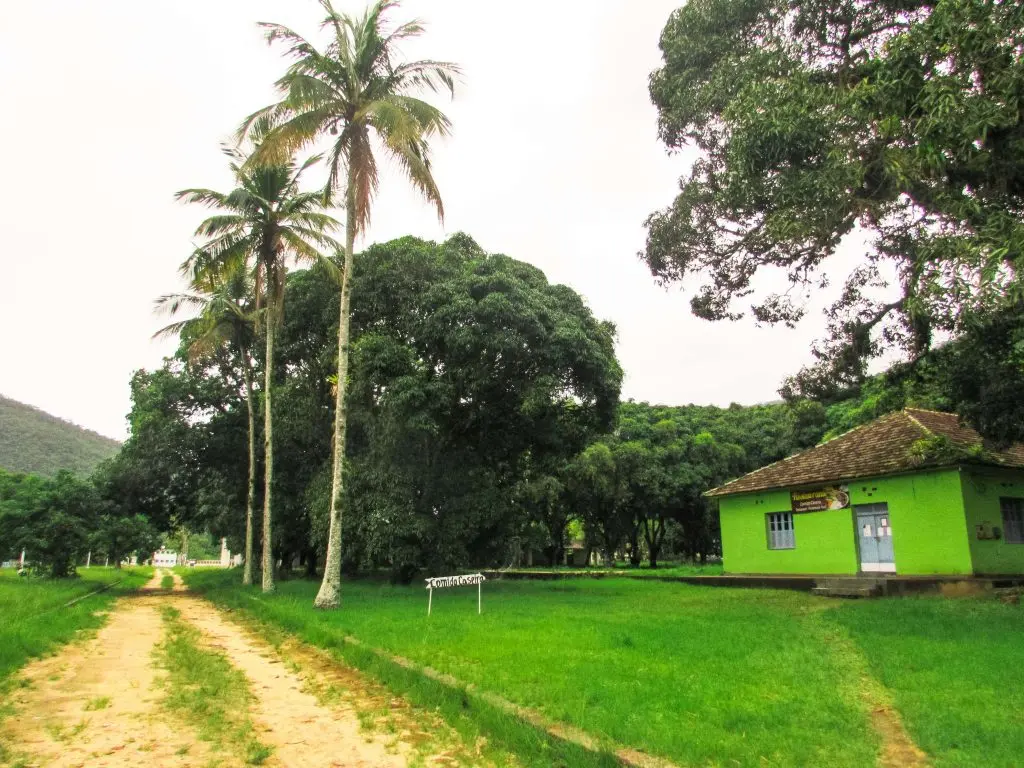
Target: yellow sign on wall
[{"x": 821, "y": 499}]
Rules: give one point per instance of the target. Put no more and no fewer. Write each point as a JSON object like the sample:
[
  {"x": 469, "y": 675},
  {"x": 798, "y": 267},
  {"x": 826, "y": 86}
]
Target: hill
[{"x": 32, "y": 440}]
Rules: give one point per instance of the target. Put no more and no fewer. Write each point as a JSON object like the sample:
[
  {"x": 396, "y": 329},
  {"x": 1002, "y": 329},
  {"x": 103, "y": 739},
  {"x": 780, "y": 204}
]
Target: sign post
[{"x": 441, "y": 582}]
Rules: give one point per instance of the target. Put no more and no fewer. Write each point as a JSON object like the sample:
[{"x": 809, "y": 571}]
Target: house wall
[
  {"x": 824, "y": 540},
  {"x": 925, "y": 509},
  {"x": 981, "y": 490}
]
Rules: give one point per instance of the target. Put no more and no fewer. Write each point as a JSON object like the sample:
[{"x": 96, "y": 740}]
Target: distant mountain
[{"x": 32, "y": 440}]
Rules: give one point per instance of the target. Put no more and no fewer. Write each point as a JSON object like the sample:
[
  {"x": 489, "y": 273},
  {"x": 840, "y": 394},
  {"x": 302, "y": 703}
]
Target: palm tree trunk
[
  {"x": 250, "y": 505},
  {"x": 329, "y": 595},
  {"x": 268, "y": 444}
]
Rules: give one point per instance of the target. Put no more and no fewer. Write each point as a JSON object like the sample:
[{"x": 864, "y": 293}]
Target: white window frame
[
  {"x": 1012, "y": 511},
  {"x": 779, "y": 526}
]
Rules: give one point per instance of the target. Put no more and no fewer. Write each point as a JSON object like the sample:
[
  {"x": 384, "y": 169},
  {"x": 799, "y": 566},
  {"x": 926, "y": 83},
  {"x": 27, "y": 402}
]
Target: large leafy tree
[
  {"x": 262, "y": 224},
  {"x": 471, "y": 374},
  {"x": 223, "y": 301},
  {"x": 900, "y": 120},
  {"x": 356, "y": 89},
  {"x": 51, "y": 519}
]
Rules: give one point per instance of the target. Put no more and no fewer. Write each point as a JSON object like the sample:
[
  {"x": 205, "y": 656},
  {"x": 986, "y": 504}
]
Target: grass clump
[
  {"x": 100, "y": 702},
  {"x": 167, "y": 582},
  {"x": 204, "y": 689}
]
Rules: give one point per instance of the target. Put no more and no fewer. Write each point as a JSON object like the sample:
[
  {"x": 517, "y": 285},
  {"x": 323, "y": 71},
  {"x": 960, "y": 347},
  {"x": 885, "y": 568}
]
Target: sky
[{"x": 554, "y": 160}]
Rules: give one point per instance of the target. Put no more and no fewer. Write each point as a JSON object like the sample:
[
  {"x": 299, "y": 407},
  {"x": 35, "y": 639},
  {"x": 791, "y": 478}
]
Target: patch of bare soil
[
  {"x": 95, "y": 703},
  {"x": 342, "y": 687},
  {"x": 898, "y": 749},
  {"x": 287, "y": 718}
]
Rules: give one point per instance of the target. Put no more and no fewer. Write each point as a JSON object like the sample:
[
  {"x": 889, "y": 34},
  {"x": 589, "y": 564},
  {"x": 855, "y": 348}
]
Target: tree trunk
[
  {"x": 635, "y": 557},
  {"x": 268, "y": 439},
  {"x": 311, "y": 563},
  {"x": 250, "y": 505},
  {"x": 654, "y": 538},
  {"x": 329, "y": 595}
]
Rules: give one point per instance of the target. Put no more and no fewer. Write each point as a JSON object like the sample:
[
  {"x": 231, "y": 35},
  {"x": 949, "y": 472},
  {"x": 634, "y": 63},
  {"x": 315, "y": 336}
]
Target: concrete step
[{"x": 865, "y": 591}]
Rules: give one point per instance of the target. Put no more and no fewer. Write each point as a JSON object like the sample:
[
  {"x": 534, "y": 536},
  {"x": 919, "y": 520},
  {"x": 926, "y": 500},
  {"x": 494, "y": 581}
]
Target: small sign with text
[{"x": 466, "y": 580}]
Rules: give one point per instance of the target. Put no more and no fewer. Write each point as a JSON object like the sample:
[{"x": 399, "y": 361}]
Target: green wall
[
  {"x": 926, "y": 511},
  {"x": 982, "y": 489},
  {"x": 824, "y": 540}
]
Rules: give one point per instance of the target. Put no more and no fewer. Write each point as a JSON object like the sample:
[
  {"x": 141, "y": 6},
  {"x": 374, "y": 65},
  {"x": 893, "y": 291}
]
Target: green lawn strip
[
  {"x": 167, "y": 582},
  {"x": 37, "y": 619},
  {"x": 206, "y": 691},
  {"x": 953, "y": 667},
  {"x": 697, "y": 675}
]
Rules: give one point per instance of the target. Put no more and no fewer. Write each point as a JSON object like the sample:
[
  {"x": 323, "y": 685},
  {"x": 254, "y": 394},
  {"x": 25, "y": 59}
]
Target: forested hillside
[{"x": 32, "y": 440}]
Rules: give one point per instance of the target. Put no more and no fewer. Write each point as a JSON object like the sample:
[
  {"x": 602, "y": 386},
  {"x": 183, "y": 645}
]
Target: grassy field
[
  {"x": 701, "y": 676},
  {"x": 955, "y": 669},
  {"x": 35, "y": 619}
]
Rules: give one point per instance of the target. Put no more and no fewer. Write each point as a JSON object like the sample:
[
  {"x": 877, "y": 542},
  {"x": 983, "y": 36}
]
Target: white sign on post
[{"x": 441, "y": 582}]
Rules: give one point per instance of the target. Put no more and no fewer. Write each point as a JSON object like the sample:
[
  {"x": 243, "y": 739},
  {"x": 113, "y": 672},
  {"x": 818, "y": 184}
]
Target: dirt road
[{"x": 101, "y": 702}]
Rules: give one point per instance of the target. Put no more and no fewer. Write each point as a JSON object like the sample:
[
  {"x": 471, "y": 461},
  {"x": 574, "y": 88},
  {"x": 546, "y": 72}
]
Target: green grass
[
  {"x": 702, "y": 676},
  {"x": 955, "y": 669},
  {"x": 35, "y": 619},
  {"x": 100, "y": 702},
  {"x": 167, "y": 582},
  {"x": 205, "y": 690}
]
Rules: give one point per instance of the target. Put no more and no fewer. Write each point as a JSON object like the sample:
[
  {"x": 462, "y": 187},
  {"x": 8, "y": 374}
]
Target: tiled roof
[{"x": 883, "y": 447}]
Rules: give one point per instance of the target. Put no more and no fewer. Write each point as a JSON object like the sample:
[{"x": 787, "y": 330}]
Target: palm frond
[
  {"x": 204, "y": 196},
  {"x": 364, "y": 177},
  {"x": 413, "y": 159}
]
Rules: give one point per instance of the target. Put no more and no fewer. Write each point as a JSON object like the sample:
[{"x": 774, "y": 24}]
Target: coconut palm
[
  {"x": 225, "y": 316},
  {"x": 259, "y": 226},
  {"x": 357, "y": 91}
]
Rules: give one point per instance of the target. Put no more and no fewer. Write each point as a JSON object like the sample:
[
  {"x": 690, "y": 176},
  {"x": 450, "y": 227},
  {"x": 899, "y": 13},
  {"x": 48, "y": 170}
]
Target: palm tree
[
  {"x": 355, "y": 89},
  {"x": 260, "y": 224},
  {"x": 225, "y": 318}
]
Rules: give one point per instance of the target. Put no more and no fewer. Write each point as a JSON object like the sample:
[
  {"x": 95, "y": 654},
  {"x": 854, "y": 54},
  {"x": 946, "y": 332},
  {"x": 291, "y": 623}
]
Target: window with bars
[
  {"x": 1013, "y": 520},
  {"x": 780, "y": 530}
]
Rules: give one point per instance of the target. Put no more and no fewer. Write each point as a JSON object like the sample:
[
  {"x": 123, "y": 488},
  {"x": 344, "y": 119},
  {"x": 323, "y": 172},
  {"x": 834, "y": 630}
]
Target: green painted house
[{"x": 913, "y": 493}]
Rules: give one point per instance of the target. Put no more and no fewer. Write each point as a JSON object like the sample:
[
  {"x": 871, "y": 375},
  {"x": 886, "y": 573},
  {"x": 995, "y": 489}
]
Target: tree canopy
[
  {"x": 468, "y": 369},
  {"x": 899, "y": 120}
]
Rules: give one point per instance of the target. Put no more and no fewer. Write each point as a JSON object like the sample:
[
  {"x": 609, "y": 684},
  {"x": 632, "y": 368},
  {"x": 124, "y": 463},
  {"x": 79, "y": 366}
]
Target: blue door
[{"x": 874, "y": 538}]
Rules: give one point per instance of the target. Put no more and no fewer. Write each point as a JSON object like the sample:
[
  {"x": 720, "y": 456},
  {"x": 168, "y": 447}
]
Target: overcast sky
[{"x": 113, "y": 105}]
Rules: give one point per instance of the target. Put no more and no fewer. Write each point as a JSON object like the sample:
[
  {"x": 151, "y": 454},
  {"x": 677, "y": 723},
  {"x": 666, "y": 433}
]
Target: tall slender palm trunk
[
  {"x": 329, "y": 595},
  {"x": 250, "y": 505},
  {"x": 268, "y": 449}
]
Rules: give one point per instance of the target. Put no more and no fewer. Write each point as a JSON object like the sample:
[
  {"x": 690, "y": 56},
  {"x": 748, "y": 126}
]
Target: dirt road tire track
[{"x": 96, "y": 702}]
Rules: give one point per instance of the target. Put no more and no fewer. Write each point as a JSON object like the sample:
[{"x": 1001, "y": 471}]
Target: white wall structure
[{"x": 166, "y": 558}]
